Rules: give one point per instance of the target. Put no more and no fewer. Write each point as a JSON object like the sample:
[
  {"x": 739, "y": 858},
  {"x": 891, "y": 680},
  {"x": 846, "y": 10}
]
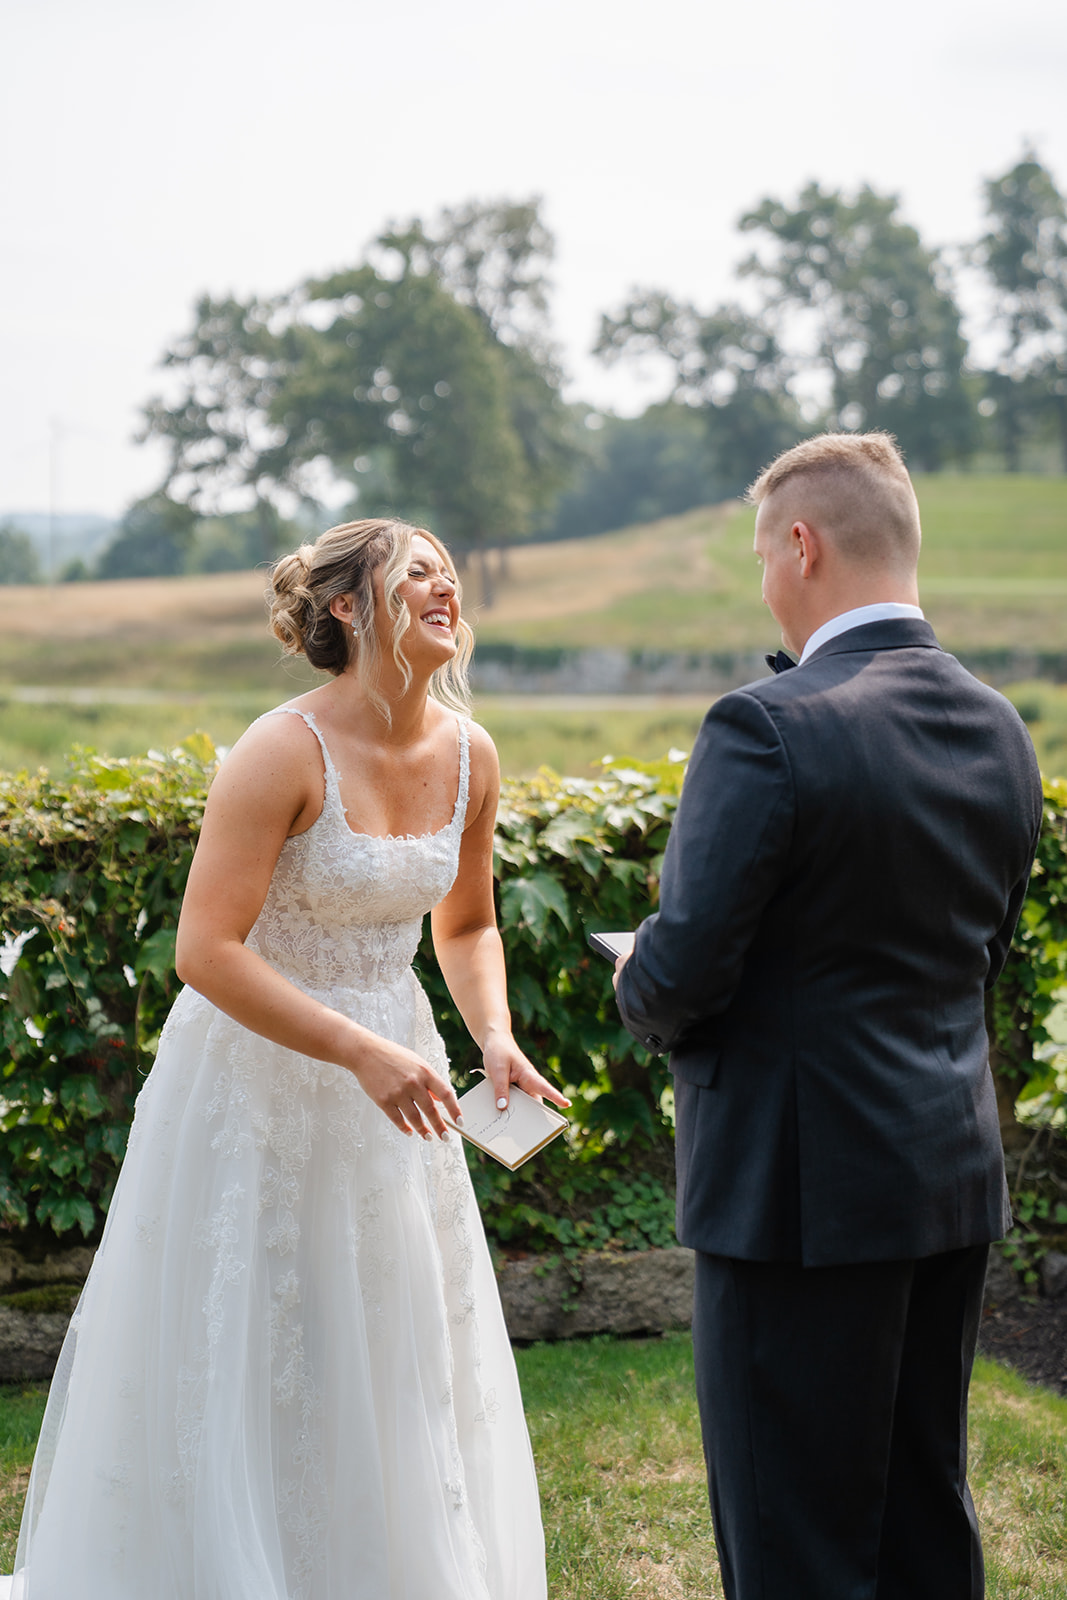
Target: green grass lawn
[
  {"x": 617, "y": 1443},
  {"x": 529, "y": 734}
]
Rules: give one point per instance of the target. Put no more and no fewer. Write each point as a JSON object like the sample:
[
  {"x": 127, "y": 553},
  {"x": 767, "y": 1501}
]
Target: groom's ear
[{"x": 806, "y": 545}]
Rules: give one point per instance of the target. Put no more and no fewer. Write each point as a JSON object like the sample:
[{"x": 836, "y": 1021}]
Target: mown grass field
[
  {"x": 178, "y": 654},
  {"x": 617, "y": 1442},
  {"x": 993, "y": 575}
]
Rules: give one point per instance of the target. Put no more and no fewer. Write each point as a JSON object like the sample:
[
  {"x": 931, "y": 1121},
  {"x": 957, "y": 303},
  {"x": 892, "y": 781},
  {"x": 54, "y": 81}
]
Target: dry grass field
[
  {"x": 209, "y": 632},
  {"x": 145, "y": 661},
  {"x": 994, "y": 576},
  {"x": 173, "y": 634}
]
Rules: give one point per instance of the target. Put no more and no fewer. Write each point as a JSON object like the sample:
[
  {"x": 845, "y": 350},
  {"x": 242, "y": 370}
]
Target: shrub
[{"x": 92, "y": 867}]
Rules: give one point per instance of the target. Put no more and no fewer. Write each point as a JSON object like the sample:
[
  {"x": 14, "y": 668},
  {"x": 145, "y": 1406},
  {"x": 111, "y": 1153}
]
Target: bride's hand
[
  {"x": 405, "y": 1087},
  {"x": 505, "y": 1065}
]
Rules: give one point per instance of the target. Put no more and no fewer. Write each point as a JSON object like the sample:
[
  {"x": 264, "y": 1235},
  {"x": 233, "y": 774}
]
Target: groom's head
[{"x": 837, "y": 526}]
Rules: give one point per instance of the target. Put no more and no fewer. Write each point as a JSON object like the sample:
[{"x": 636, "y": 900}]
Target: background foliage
[
  {"x": 422, "y": 379},
  {"x": 92, "y": 867}
]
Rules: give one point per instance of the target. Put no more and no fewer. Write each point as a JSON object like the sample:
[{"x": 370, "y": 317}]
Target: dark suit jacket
[{"x": 844, "y": 875}]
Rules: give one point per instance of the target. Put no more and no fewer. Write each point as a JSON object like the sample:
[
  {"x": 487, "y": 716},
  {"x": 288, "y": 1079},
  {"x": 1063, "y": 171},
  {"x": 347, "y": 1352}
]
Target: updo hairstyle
[{"x": 343, "y": 561}]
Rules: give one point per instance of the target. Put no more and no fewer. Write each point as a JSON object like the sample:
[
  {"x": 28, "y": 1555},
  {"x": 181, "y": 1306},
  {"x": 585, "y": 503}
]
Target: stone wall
[
  {"x": 645, "y": 1292},
  {"x": 512, "y": 669}
]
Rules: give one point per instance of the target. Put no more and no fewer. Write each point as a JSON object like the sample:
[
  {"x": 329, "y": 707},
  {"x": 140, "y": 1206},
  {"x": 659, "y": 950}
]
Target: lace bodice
[{"x": 344, "y": 910}]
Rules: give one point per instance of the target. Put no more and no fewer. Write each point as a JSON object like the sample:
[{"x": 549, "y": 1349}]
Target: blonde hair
[
  {"x": 343, "y": 560},
  {"x": 855, "y": 487}
]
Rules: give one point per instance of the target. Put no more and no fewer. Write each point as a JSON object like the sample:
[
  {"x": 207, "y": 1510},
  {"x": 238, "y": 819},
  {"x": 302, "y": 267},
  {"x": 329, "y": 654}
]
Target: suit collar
[{"x": 896, "y": 633}]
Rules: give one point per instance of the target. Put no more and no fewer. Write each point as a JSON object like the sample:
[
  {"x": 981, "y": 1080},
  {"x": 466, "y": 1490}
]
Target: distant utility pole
[{"x": 55, "y": 440}]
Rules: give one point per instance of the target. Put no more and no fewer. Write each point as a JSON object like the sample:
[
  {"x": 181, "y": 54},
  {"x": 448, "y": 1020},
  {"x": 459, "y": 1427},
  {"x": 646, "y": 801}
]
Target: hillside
[{"x": 994, "y": 574}]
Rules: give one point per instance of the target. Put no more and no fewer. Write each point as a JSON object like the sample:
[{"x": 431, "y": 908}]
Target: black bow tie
[{"x": 781, "y": 662}]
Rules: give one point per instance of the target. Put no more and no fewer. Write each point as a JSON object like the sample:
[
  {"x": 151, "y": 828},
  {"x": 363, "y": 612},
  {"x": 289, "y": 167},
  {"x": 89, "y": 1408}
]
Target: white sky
[{"x": 154, "y": 149}]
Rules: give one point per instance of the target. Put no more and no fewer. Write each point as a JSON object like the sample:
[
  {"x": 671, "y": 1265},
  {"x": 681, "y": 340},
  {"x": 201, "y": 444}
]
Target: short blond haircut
[
  {"x": 852, "y": 486},
  {"x": 344, "y": 560}
]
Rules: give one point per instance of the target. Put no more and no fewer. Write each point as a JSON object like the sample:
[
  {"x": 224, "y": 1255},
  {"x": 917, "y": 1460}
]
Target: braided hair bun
[{"x": 292, "y": 604}]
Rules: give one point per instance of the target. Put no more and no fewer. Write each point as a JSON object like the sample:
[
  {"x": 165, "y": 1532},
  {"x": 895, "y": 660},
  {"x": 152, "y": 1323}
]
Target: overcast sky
[{"x": 154, "y": 149}]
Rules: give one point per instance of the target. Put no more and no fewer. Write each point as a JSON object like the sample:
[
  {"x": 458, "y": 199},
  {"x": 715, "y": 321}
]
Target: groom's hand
[{"x": 620, "y": 963}]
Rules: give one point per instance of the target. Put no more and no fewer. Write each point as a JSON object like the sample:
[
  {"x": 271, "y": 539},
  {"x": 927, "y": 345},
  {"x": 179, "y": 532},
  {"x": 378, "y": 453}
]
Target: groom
[{"x": 842, "y": 882}]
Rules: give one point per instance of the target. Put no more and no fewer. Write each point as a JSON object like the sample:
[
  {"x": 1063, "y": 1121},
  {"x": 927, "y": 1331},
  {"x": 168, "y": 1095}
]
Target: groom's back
[{"x": 849, "y": 1113}]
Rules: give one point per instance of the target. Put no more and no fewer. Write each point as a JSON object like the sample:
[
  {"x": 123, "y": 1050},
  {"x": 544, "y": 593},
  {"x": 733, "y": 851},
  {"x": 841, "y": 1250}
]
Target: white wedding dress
[{"x": 288, "y": 1377}]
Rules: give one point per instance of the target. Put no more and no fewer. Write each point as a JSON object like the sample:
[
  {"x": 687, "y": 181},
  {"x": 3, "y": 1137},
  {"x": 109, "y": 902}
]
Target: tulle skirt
[{"x": 288, "y": 1377}]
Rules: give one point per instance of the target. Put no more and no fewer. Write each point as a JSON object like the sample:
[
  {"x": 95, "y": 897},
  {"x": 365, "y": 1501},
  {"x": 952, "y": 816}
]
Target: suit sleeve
[
  {"x": 1000, "y": 944},
  {"x": 725, "y": 857}
]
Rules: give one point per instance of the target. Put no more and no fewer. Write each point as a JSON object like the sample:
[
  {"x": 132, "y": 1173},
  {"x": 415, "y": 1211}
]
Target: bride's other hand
[
  {"x": 403, "y": 1086},
  {"x": 505, "y": 1065}
]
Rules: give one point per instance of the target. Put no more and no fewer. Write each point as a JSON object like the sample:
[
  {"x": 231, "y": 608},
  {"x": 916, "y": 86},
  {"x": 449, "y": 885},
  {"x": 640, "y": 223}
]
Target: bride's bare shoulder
[
  {"x": 483, "y": 750},
  {"x": 484, "y": 771},
  {"x": 277, "y": 756}
]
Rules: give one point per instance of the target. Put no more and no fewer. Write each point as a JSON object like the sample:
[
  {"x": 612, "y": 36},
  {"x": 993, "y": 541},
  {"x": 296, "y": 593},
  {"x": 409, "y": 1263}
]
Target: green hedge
[{"x": 92, "y": 866}]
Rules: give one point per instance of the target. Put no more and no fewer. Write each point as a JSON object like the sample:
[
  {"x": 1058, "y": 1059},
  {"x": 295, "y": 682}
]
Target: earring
[{"x": 355, "y": 630}]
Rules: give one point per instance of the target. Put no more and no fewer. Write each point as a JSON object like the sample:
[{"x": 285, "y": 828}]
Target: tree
[
  {"x": 495, "y": 258},
  {"x": 492, "y": 257},
  {"x": 1025, "y": 257},
  {"x": 153, "y": 540},
  {"x": 18, "y": 556},
  {"x": 421, "y": 377},
  {"x": 639, "y": 468},
  {"x": 866, "y": 307},
  {"x": 223, "y": 443},
  {"x": 728, "y": 364},
  {"x": 431, "y": 389}
]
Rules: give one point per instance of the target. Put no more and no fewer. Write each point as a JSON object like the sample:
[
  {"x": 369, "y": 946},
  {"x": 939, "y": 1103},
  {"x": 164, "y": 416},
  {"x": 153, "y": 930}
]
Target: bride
[{"x": 288, "y": 1377}]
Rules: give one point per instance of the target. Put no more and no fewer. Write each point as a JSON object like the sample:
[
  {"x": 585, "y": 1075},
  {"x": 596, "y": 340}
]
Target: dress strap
[{"x": 463, "y": 792}]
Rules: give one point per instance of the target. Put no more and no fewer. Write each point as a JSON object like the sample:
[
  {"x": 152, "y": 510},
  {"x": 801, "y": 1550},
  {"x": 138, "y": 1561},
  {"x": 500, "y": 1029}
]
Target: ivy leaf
[
  {"x": 563, "y": 833},
  {"x": 80, "y": 1093},
  {"x": 156, "y": 954},
  {"x": 66, "y": 1212},
  {"x": 529, "y": 902}
]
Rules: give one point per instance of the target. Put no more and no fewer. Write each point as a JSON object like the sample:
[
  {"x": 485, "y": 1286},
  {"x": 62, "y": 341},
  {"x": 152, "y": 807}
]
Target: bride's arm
[
  {"x": 269, "y": 786},
  {"x": 467, "y": 941}
]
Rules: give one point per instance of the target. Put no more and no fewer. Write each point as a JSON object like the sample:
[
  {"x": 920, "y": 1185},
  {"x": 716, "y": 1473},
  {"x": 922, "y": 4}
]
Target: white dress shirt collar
[{"x": 883, "y": 611}]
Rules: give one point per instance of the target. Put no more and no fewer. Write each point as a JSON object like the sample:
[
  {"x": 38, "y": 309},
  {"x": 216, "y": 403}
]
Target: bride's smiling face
[{"x": 429, "y": 591}]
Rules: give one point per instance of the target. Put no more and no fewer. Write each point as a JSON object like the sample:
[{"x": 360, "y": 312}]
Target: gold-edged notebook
[{"x": 512, "y": 1136}]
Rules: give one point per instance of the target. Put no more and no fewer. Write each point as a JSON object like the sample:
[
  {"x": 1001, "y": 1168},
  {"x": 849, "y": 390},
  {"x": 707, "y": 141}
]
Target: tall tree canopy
[
  {"x": 423, "y": 373},
  {"x": 854, "y": 325},
  {"x": 852, "y": 286},
  {"x": 1025, "y": 256},
  {"x": 728, "y": 364}
]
